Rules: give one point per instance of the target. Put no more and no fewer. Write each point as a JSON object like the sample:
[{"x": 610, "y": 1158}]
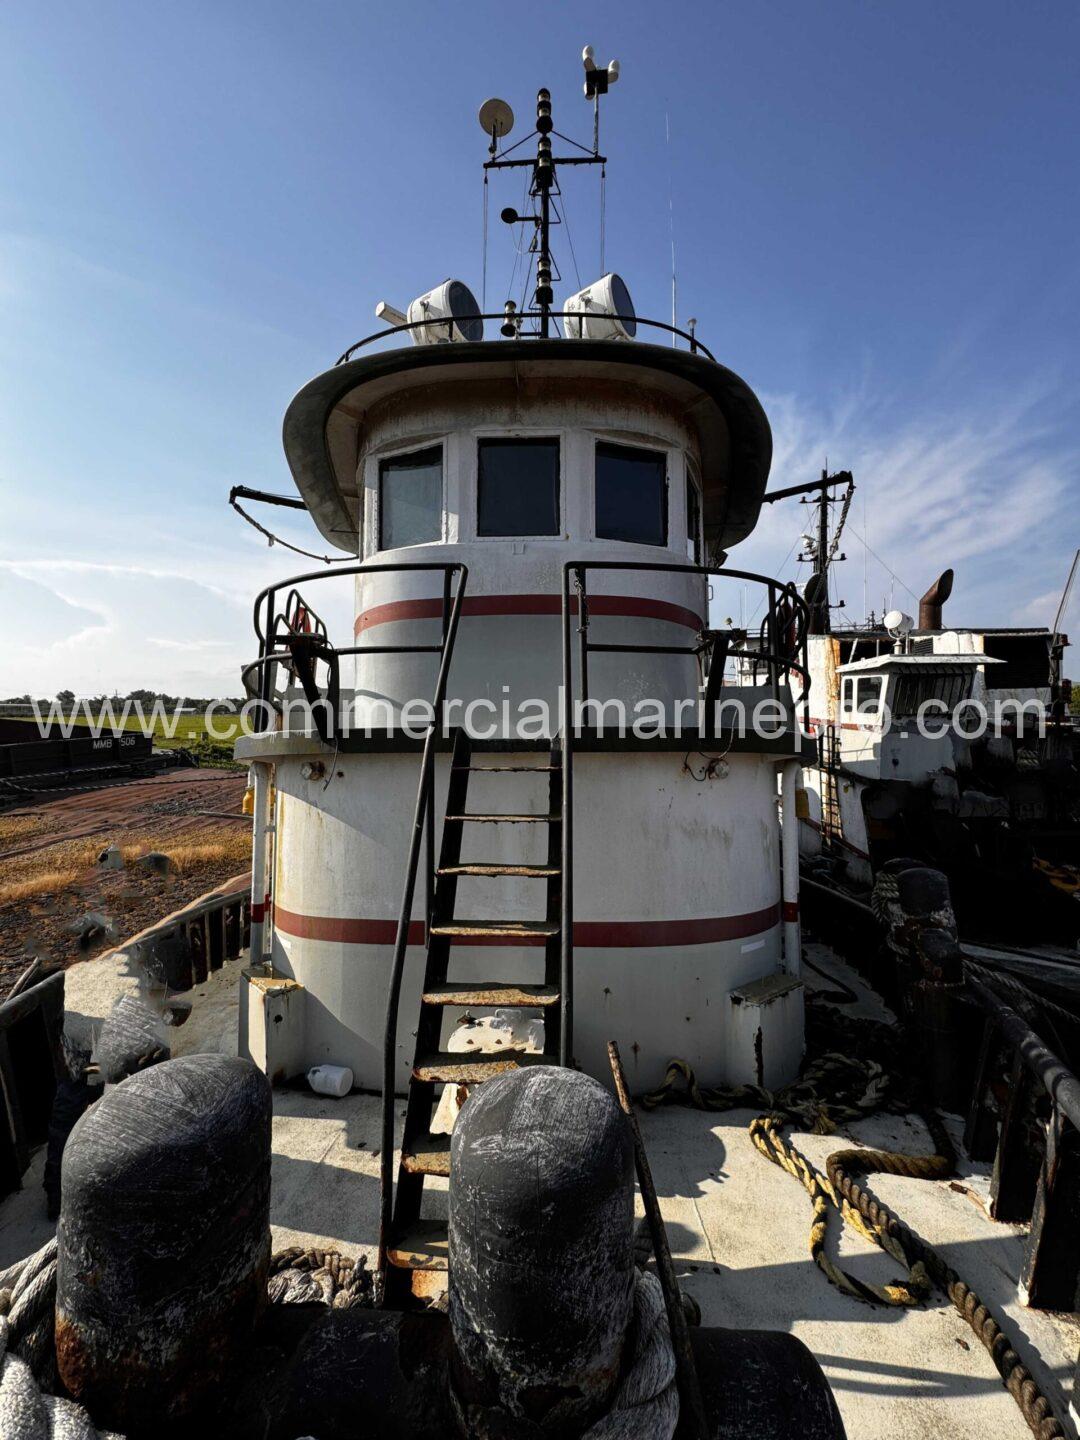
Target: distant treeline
[{"x": 67, "y": 700}]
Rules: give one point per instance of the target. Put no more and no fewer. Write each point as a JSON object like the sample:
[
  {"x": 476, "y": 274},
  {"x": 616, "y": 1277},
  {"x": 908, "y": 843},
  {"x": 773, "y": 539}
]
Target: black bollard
[
  {"x": 935, "y": 977},
  {"x": 541, "y": 1251},
  {"x": 164, "y": 1240}
]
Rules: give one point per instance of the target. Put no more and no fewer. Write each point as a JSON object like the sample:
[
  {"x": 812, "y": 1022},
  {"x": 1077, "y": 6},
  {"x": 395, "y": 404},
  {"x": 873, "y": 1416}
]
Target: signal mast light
[{"x": 602, "y": 311}]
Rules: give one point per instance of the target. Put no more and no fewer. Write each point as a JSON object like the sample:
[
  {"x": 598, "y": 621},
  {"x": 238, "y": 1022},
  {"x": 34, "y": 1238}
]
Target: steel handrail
[
  {"x": 579, "y": 569},
  {"x": 775, "y": 660},
  {"x": 423, "y": 821},
  {"x": 266, "y": 600},
  {"x": 694, "y": 343},
  {"x": 1053, "y": 1074}
]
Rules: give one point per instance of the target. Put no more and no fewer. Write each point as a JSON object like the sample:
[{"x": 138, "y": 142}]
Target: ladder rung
[
  {"x": 423, "y": 1245},
  {"x": 529, "y": 872},
  {"x": 507, "y": 769},
  {"x": 508, "y": 819},
  {"x": 490, "y": 992},
  {"x": 496, "y": 929},
  {"x": 453, "y": 1067},
  {"x": 428, "y": 1155}
]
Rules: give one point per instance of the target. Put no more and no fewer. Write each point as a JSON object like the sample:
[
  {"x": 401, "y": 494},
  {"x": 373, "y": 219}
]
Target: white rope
[
  {"x": 646, "y": 1404},
  {"x": 27, "y": 1414}
]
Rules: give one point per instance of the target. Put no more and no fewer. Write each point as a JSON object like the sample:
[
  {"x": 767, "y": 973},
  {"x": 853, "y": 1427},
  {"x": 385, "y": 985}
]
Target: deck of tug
[{"x": 738, "y": 1229}]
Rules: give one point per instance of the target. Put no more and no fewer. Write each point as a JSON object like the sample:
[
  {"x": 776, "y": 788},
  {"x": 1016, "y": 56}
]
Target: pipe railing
[
  {"x": 448, "y": 323},
  {"x": 786, "y": 624},
  {"x": 275, "y": 628},
  {"x": 1026, "y": 1185}
]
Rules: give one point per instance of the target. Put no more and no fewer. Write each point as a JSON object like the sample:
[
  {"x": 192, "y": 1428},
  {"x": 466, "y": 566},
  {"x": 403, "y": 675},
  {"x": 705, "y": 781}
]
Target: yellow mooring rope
[
  {"x": 838, "y": 1191},
  {"x": 767, "y": 1139}
]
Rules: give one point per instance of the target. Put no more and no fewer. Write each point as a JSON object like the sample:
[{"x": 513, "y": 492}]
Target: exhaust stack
[{"x": 931, "y": 603}]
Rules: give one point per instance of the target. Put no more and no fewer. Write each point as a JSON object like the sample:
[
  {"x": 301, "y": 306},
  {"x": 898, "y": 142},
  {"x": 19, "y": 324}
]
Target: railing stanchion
[
  {"x": 580, "y": 585},
  {"x": 266, "y": 687},
  {"x": 429, "y": 858}
]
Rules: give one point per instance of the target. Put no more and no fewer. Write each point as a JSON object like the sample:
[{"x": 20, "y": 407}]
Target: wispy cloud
[{"x": 994, "y": 492}]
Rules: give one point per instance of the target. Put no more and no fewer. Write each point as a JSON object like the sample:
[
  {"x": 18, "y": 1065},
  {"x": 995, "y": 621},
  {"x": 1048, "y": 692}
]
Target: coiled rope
[
  {"x": 27, "y": 1319},
  {"x": 864, "y": 1083},
  {"x": 27, "y": 1306},
  {"x": 842, "y": 1167},
  {"x": 298, "y": 1276}
]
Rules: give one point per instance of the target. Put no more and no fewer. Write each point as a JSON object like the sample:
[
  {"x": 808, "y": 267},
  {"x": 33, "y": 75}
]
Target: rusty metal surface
[
  {"x": 491, "y": 995},
  {"x": 429, "y": 1156},
  {"x": 495, "y": 929},
  {"x": 528, "y": 872},
  {"x": 173, "y": 802},
  {"x": 508, "y": 819},
  {"x": 424, "y": 1246},
  {"x": 930, "y": 604},
  {"x": 466, "y": 1069}
]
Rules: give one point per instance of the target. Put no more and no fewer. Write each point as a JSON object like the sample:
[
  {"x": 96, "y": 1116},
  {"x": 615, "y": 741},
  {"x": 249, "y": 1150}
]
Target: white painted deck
[{"x": 737, "y": 1225}]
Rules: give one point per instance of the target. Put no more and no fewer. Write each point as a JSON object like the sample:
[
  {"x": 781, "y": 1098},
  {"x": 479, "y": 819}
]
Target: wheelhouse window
[
  {"x": 693, "y": 522},
  {"x": 410, "y": 498},
  {"x": 862, "y": 695},
  {"x": 947, "y": 685},
  {"x": 517, "y": 487},
  {"x": 631, "y": 494}
]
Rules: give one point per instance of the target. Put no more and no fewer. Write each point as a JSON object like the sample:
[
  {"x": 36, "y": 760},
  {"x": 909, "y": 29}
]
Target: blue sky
[{"x": 875, "y": 207}]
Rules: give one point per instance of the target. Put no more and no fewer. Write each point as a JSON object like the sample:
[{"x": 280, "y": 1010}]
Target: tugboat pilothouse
[{"x": 531, "y": 825}]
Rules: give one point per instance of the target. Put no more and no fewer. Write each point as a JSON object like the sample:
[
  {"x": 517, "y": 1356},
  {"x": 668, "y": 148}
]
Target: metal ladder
[
  {"x": 832, "y": 828},
  {"x": 416, "y": 1254}
]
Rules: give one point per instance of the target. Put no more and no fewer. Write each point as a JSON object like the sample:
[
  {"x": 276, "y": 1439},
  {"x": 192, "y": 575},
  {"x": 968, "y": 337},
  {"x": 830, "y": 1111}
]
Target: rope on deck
[
  {"x": 837, "y": 1191},
  {"x": 298, "y": 1275}
]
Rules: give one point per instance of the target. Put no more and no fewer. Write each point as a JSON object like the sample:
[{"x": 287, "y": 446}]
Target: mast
[
  {"x": 824, "y": 550},
  {"x": 544, "y": 177}
]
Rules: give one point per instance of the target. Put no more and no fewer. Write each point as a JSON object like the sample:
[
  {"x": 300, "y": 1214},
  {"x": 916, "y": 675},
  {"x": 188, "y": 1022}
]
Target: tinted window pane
[
  {"x": 869, "y": 694},
  {"x": 518, "y": 487},
  {"x": 631, "y": 494},
  {"x": 410, "y": 499}
]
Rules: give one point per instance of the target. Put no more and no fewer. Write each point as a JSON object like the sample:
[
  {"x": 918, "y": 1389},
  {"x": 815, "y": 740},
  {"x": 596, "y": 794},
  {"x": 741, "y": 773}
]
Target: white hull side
[{"x": 677, "y": 890}]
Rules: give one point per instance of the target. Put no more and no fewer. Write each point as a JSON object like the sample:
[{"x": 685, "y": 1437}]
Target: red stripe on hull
[
  {"x": 637, "y": 606},
  {"x": 588, "y": 934}
]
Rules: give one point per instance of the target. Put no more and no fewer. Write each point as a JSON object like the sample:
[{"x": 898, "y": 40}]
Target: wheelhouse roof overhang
[
  {"x": 324, "y": 424},
  {"x": 919, "y": 664}
]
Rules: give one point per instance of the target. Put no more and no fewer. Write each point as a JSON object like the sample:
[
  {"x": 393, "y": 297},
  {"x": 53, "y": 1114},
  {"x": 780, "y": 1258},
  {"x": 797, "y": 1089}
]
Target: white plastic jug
[{"x": 333, "y": 1080}]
